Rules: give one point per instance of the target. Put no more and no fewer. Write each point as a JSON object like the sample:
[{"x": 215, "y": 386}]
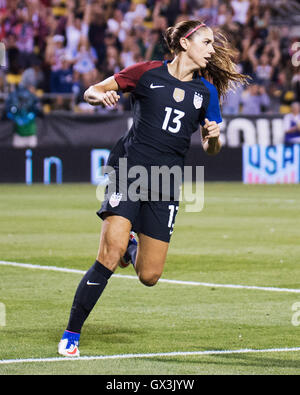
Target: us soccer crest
[
  {"x": 178, "y": 94},
  {"x": 115, "y": 199},
  {"x": 198, "y": 99}
]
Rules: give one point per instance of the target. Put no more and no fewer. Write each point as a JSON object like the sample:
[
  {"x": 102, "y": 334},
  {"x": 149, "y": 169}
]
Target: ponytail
[{"x": 221, "y": 70}]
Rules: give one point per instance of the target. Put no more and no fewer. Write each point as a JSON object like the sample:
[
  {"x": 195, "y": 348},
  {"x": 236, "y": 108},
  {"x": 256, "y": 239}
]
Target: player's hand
[
  {"x": 110, "y": 98},
  {"x": 211, "y": 130},
  {"x": 210, "y": 137},
  {"x": 96, "y": 97}
]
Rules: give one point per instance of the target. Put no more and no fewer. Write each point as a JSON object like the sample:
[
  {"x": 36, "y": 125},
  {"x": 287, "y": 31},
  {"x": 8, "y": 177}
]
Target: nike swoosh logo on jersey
[
  {"x": 89, "y": 283},
  {"x": 156, "y": 86}
]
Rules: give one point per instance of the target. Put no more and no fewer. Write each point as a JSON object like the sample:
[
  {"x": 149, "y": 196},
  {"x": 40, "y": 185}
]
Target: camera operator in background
[{"x": 23, "y": 107}]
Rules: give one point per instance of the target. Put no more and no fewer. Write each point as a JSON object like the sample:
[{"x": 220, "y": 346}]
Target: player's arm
[
  {"x": 104, "y": 93},
  {"x": 211, "y": 137}
]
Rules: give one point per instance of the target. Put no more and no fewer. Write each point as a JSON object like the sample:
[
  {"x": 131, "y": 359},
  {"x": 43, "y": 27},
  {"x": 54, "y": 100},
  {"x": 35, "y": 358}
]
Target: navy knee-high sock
[{"x": 87, "y": 294}]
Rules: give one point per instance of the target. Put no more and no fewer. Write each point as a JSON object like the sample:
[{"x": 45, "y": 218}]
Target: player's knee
[
  {"x": 111, "y": 255},
  {"x": 148, "y": 278}
]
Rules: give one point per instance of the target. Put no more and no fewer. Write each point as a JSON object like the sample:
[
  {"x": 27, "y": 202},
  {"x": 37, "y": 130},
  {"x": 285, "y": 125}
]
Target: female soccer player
[{"x": 170, "y": 100}]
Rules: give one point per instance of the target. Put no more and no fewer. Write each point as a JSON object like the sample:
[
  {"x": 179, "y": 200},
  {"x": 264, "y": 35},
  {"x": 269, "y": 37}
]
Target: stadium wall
[
  {"x": 79, "y": 130},
  {"x": 81, "y": 164},
  {"x": 72, "y": 146}
]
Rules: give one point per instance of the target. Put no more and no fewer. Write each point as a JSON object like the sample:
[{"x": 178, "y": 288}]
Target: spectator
[
  {"x": 55, "y": 29},
  {"x": 55, "y": 52},
  {"x": 164, "y": 13},
  {"x": 136, "y": 14},
  {"x": 112, "y": 62},
  {"x": 62, "y": 78},
  {"x": 263, "y": 66},
  {"x": 230, "y": 27},
  {"x": 155, "y": 46},
  {"x": 255, "y": 100},
  {"x": 118, "y": 26},
  {"x": 85, "y": 60},
  {"x": 56, "y": 58},
  {"x": 73, "y": 31},
  {"x": 13, "y": 54},
  {"x": 111, "y": 39},
  {"x": 244, "y": 57},
  {"x": 41, "y": 29},
  {"x": 123, "y": 5},
  {"x": 130, "y": 51},
  {"x": 76, "y": 29},
  {"x": 208, "y": 12},
  {"x": 296, "y": 84},
  {"x": 222, "y": 14},
  {"x": 33, "y": 77},
  {"x": 284, "y": 45},
  {"x": 141, "y": 34},
  {"x": 56, "y": 25},
  {"x": 96, "y": 34},
  {"x": 291, "y": 125},
  {"x": 283, "y": 93},
  {"x": 232, "y": 102},
  {"x": 240, "y": 10},
  {"x": 261, "y": 21},
  {"x": 24, "y": 31}
]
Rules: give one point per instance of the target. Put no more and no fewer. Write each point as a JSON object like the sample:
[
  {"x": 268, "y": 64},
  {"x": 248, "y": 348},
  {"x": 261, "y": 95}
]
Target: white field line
[
  {"x": 153, "y": 355},
  {"x": 162, "y": 280},
  {"x": 131, "y": 356}
]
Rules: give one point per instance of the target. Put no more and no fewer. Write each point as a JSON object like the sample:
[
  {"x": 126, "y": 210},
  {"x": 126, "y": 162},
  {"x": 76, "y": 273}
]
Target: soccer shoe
[
  {"x": 68, "y": 346},
  {"x": 126, "y": 259}
]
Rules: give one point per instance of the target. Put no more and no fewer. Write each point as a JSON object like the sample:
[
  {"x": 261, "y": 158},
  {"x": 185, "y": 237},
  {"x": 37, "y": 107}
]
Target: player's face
[{"x": 201, "y": 48}]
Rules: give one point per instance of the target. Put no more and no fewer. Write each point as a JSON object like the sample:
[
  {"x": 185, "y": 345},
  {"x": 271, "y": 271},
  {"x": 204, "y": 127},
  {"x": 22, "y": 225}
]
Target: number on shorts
[{"x": 172, "y": 209}]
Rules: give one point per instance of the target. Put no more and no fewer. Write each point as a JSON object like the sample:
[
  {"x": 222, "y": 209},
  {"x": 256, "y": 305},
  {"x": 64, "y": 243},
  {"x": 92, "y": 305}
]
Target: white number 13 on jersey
[{"x": 175, "y": 120}]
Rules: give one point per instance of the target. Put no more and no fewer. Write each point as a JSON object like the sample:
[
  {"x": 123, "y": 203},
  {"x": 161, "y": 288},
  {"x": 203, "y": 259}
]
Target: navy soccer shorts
[{"x": 152, "y": 218}]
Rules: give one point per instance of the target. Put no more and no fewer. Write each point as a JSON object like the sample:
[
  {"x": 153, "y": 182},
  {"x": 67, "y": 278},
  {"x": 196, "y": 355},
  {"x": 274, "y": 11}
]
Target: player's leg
[
  {"x": 113, "y": 244},
  {"x": 156, "y": 224},
  {"x": 113, "y": 240},
  {"x": 150, "y": 259}
]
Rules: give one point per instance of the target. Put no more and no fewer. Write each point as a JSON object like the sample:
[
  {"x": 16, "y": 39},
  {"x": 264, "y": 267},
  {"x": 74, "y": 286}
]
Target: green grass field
[{"x": 245, "y": 235}]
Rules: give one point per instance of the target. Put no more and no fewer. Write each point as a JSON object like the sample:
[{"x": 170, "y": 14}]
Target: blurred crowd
[{"x": 58, "y": 48}]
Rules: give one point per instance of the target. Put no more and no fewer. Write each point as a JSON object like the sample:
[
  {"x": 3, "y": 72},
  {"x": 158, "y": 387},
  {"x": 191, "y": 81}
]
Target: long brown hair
[{"x": 221, "y": 70}]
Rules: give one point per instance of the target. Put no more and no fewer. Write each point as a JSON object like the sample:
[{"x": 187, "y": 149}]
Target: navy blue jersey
[{"x": 166, "y": 112}]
